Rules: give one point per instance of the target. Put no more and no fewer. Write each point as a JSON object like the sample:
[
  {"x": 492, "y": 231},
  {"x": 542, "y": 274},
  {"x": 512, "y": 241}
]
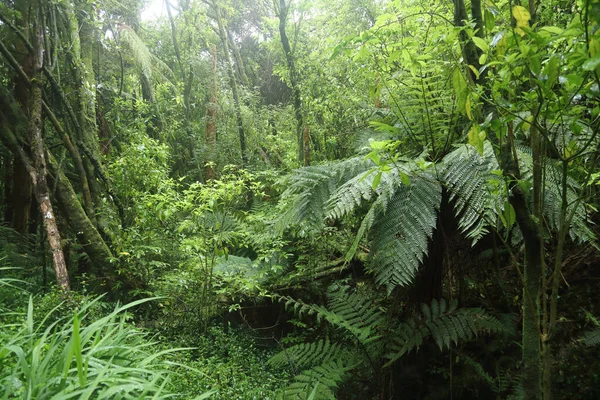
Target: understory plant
[{"x": 76, "y": 357}]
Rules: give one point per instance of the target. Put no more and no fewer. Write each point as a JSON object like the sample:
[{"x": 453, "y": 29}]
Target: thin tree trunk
[
  {"x": 303, "y": 140},
  {"x": 210, "y": 135},
  {"x": 37, "y": 171},
  {"x": 239, "y": 63},
  {"x": 22, "y": 193},
  {"x": 233, "y": 84},
  {"x": 531, "y": 350}
]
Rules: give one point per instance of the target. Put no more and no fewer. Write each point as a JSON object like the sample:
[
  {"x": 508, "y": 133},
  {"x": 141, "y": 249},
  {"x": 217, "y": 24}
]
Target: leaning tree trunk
[{"x": 37, "y": 171}]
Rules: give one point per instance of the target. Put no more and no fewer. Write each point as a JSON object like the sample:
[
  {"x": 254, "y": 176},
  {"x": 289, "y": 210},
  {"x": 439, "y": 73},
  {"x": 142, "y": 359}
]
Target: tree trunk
[
  {"x": 531, "y": 335},
  {"x": 87, "y": 234},
  {"x": 233, "y": 84},
  {"x": 210, "y": 135},
  {"x": 37, "y": 171},
  {"x": 22, "y": 192},
  {"x": 303, "y": 144}
]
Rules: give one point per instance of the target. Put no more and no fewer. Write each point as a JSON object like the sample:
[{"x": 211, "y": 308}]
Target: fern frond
[
  {"x": 445, "y": 324},
  {"x": 355, "y": 313},
  {"x": 310, "y": 189},
  {"x": 147, "y": 62},
  {"x": 467, "y": 175},
  {"x": 308, "y": 354},
  {"x": 580, "y": 225},
  {"x": 347, "y": 310},
  {"x": 400, "y": 234},
  {"x": 324, "y": 377},
  {"x": 592, "y": 338}
]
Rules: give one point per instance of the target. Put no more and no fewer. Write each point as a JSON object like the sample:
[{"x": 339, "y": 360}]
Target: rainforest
[{"x": 299, "y": 199}]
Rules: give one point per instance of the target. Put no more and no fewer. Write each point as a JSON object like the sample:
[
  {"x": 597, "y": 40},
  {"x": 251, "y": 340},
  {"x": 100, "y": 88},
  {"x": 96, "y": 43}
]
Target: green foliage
[
  {"x": 231, "y": 362},
  {"x": 478, "y": 192},
  {"x": 370, "y": 340},
  {"x": 400, "y": 234},
  {"x": 445, "y": 324},
  {"x": 309, "y": 191},
  {"x": 78, "y": 357},
  {"x": 318, "y": 382},
  {"x": 308, "y": 354},
  {"x": 592, "y": 338}
]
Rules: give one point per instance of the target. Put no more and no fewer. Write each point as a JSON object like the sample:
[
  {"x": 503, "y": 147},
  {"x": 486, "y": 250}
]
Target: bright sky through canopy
[{"x": 155, "y": 10}]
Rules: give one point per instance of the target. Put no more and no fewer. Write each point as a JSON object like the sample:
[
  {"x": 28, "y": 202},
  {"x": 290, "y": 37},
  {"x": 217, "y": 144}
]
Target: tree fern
[
  {"x": 467, "y": 175},
  {"x": 400, "y": 234},
  {"x": 309, "y": 190},
  {"x": 319, "y": 382},
  {"x": 445, "y": 324}
]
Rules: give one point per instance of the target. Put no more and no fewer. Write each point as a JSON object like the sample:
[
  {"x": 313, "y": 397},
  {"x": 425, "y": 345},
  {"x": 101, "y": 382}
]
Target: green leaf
[
  {"x": 591, "y": 64},
  {"x": 476, "y": 138},
  {"x": 458, "y": 81},
  {"x": 508, "y": 217},
  {"x": 481, "y": 43},
  {"x": 376, "y": 180},
  {"x": 405, "y": 179},
  {"x": 522, "y": 17}
]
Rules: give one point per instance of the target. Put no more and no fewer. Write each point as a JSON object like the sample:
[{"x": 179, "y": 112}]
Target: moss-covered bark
[{"x": 87, "y": 234}]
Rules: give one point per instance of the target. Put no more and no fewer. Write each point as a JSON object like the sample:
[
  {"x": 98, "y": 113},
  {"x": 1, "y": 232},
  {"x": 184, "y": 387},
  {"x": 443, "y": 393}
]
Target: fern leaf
[
  {"x": 324, "y": 377},
  {"x": 400, "y": 235},
  {"x": 309, "y": 190},
  {"x": 445, "y": 325},
  {"x": 592, "y": 338},
  {"x": 308, "y": 354},
  {"x": 467, "y": 175},
  {"x": 147, "y": 62}
]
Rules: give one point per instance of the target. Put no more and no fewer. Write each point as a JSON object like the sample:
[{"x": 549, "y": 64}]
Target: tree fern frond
[
  {"x": 355, "y": 313},
  {"x": 347, "y": 310},
  {"x": 467, "y": 175},
  {"x": 325, "y": 377},
  {"x": 400, "y": 234},
  {"x": 310, "y": 189},
  {"x": 147, "y": 62},
  {"x": 592, "y": 338},
  {"x": 308, "y": 354},
  {"x": 445, "y": 324}
]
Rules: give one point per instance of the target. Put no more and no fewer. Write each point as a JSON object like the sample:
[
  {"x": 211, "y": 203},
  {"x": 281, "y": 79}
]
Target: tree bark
[
  {"x": 87, "y": 234},
  {"x": 233, "y": 84},
  {"x": 532, "y": 237},
  {"x": 303, "y": 140},
  {"x": 210, "y": 134}
]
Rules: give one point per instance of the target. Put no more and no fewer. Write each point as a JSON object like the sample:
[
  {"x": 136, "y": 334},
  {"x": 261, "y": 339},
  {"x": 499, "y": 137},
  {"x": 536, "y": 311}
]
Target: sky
[{"x": 155, "y": 10}]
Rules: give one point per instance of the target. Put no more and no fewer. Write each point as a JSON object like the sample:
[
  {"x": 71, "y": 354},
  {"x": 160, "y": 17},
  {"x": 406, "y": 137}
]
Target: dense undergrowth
[{"x": 75, "y": 346}]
